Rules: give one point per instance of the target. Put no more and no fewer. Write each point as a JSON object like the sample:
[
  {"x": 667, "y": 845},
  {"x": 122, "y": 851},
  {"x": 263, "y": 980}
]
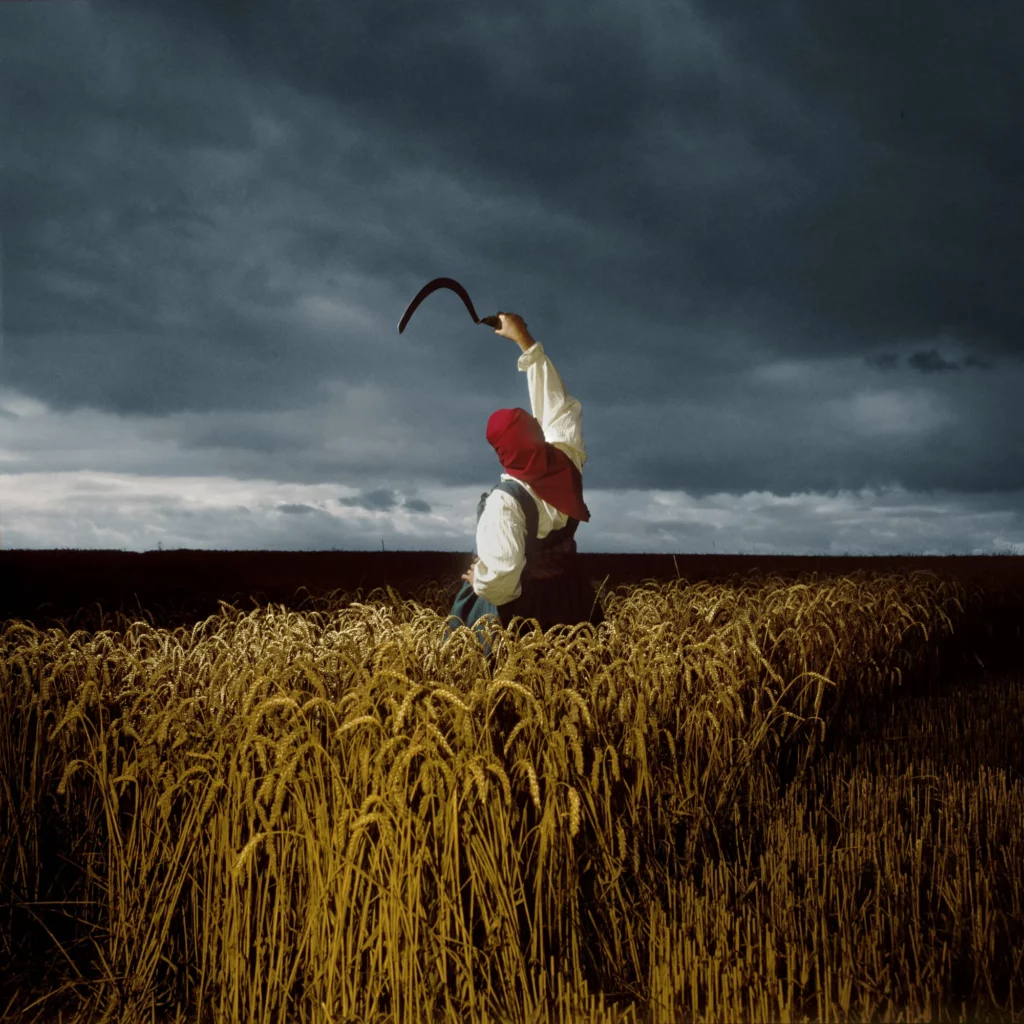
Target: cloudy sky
[{"x": 776, "y": 255}]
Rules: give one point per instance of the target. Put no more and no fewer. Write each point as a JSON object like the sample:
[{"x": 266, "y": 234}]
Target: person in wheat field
[{"x": 524, "y": 561}]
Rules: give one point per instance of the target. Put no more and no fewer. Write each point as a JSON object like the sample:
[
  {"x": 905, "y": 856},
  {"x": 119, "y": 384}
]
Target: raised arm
[{"x": 559, "y": 414}]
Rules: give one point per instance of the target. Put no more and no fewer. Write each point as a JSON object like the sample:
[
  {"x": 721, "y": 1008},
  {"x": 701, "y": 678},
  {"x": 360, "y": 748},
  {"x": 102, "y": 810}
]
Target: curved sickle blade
[{"x": 432, "y": 286}]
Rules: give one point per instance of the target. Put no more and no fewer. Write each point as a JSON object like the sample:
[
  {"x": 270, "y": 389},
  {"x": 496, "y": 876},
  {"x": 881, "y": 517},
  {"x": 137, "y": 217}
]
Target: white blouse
[{"x": 501, "y": 531}]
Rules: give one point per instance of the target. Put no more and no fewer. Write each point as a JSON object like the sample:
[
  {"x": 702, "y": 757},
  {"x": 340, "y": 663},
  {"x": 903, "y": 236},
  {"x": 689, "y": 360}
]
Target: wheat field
[{"x": 328, "y": 815}]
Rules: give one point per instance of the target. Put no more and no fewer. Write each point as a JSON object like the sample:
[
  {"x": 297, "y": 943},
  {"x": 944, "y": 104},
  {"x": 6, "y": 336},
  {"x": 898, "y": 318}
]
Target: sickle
[{"x": 446, "y": 282}]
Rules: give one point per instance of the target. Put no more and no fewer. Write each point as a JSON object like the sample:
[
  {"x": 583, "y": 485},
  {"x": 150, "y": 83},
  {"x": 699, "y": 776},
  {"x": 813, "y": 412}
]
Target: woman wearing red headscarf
[{"x": 525, "y": 562}]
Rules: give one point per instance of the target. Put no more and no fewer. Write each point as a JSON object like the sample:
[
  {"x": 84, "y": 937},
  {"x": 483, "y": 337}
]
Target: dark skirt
[{"x": 559, "y": 600}]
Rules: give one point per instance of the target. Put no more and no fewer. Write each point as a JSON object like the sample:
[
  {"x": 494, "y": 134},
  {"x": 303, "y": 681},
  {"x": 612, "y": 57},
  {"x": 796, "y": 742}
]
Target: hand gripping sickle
[{"x": 447, "y": 282}]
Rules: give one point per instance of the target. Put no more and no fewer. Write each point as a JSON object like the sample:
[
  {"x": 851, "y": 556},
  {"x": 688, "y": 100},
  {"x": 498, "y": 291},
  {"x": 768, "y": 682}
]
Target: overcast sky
[{"x": 773, "y": 249}]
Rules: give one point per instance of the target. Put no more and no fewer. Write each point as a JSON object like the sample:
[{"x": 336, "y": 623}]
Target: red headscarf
[{"x": 518, "y": 439}]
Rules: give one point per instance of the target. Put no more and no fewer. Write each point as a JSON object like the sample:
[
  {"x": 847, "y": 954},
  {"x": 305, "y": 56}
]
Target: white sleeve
[
  {"x": 559, "y": 414},
  {"x": 501, "y": 549}
]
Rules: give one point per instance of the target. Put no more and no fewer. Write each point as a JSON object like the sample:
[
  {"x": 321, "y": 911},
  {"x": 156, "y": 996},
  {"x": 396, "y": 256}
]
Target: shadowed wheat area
[{"x": 727, "y": 802}]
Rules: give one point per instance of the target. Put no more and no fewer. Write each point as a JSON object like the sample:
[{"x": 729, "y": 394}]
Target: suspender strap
[
  {"x": 526, "y": 503},
  {"x": 552, "y": 556}
]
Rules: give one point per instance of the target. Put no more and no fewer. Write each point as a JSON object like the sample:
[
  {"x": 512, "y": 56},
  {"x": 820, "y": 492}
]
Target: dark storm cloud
[
  {"x": 931, "y": 362},
  {"x": 834, "y": 174},
  {"x": 923, "y": 96},
  {"x": 774, "y": 248},
  {"x": 383, "y": 499},
  {"x": 375, "y": 501},
  {"x": 115, "y": 219},
  {"x": 824, "y": 178}
]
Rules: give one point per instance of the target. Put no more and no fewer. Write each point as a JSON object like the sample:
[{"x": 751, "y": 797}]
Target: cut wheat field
[{"x": 716, "y": 806}]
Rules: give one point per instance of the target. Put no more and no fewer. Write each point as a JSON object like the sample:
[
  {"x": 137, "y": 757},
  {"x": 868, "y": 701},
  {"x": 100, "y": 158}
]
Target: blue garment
[{"x": 559, "y": 598}]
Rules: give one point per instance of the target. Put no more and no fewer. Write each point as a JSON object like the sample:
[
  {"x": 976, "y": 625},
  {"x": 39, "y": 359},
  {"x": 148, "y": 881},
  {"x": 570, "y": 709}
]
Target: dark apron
[{"x": 552, "y": 590}]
